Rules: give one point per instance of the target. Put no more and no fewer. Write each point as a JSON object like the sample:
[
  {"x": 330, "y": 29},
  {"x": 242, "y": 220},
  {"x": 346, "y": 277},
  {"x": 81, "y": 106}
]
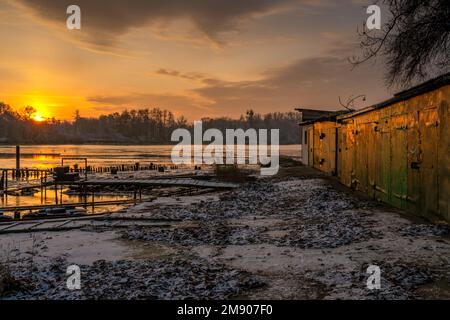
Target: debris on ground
[{"x": 290, "y": 238}]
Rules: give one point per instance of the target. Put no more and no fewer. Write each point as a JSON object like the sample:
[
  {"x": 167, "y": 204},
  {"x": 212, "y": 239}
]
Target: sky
[{"x": 197, "y": 58}]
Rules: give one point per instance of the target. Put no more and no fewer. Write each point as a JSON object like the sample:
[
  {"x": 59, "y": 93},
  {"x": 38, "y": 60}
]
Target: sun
[{"x": 38, "y": 118}]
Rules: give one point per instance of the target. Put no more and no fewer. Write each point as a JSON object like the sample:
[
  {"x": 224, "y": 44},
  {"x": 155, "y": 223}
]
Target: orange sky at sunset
[{"x": 211, "y": 58}]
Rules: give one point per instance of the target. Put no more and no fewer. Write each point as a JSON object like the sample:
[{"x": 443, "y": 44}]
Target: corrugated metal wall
[{"x": 400, "y": 154}]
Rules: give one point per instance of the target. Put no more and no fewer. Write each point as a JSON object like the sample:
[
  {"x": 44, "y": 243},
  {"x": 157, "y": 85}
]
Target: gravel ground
[
  {"x": 292, "y": 239},
  {"x": 157, "y": 279},
  {"x": 312, "y": 215}
]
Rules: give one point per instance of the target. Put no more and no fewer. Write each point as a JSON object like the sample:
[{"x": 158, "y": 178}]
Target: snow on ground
[{"x": 293, "y": 239}]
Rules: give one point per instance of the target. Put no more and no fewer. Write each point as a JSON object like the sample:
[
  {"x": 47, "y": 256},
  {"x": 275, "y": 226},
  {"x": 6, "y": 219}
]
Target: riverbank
[{"x": 298, "y": 235}]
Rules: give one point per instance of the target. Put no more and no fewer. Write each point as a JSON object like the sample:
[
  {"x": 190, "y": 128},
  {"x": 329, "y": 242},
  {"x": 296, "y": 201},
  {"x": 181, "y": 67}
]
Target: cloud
[
  {"x": 314, "y": 82},
  {"x": 183, "y": 104},
  {"x": 103, "y": 21},
  {"x": 188, "y": 76}
]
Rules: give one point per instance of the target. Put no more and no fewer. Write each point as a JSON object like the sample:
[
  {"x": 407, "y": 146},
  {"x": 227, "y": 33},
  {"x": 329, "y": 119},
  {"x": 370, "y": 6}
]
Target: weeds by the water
[{"x": 8, "y": 283}]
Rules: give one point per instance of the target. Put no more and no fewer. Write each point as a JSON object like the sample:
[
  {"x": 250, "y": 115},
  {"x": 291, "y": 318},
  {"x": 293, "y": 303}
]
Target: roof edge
[
  {"x": 422, "y": 88},
  {"x": 331, "y": 117}
]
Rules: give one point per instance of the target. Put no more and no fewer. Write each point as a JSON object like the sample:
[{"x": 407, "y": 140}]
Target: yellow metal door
[
  {"x": 344, "y": 156},
  {"x": 428, "y": 167},
  {"x": 399, "y": 161},
  {"x": 361, "y": 161},
  {"x": 373, "y": 158},
  {"x": 413, "y": 200},
  {"x": 383, "y": 160},
  {"x": 310, "y": 147}
]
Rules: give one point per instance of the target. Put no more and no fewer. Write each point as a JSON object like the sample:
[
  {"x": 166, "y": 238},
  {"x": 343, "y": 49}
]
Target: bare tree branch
[{"x": 414, "y": 42}]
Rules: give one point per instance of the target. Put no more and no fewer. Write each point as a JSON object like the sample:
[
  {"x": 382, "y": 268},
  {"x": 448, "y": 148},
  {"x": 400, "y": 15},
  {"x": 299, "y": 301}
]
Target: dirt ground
[{"x": 299, "y": 235}]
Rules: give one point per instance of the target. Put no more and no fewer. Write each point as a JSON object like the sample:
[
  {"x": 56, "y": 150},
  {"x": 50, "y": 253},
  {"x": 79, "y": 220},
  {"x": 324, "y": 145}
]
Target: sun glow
[{"x": 38, "y": 118}]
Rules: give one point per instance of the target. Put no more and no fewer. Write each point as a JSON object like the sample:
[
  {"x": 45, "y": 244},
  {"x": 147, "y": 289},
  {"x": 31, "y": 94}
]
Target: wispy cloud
[
  {"x": 314, "y": 82},
  {"x": 180, "y": 104},
  {"x": 104, "y": 21}
]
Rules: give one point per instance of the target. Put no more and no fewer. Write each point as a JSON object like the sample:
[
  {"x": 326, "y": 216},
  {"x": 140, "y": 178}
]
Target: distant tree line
[{"x": 140, "y": 126}]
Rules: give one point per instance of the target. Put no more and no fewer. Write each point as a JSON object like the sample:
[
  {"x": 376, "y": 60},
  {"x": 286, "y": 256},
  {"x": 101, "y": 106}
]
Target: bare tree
[
  {"x": 28, "y": 112},
  {"x": 415, "y": 41}
]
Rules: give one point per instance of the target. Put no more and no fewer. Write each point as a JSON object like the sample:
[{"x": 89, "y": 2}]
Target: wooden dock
[
  {"x": 163, "y": 187},
  {"x": 152, "y": 183},
  {"x": 137, "y": 183},
  {"x": 78, "y": 204},
  {"x": 93, "y": 221}
]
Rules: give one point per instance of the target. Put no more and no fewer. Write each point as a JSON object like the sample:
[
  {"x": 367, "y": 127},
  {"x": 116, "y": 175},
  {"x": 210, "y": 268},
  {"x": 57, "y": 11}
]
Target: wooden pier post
[
  {"x": 2, "y": 181},
  {"x": 45, "y": 186},
  {"x": 56, "y": 192},
  {"x": 42, "y": 188},
  {"x": 17, "y": 161},
  {"x": 6, "y": 186},
  {"x": 93, "y": 200}
]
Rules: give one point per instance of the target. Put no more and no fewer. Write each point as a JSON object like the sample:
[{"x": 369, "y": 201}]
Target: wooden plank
[
  {"x": 64, "y": 223},
  {"x": 155, "y": 182},
  {"x": 79, "y": 204},
  {"x": 10, "y": 226},
  {"x": 37, "y": 224}
]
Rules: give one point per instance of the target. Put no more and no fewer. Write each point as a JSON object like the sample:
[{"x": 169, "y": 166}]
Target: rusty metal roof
[
  {"x": 331, "y": 116},
  {"x": 422, "y": 88}
]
